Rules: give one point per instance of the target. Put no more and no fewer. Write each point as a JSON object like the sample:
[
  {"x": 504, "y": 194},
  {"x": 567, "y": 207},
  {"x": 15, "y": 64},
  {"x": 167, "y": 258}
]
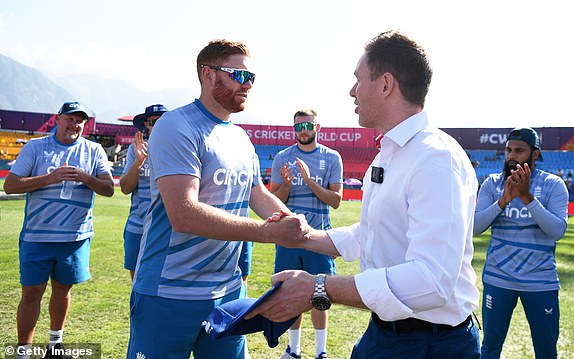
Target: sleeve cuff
[{"x": 375, "y": 293}]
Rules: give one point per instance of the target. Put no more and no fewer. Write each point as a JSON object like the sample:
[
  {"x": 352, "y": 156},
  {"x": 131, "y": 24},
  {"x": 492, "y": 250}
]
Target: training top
[
  {"x": 192, "y": 141},
  {"x": 521, "y": 253},
  {"x": 47, "y": 217},
  {"x": 325, "y": 167},
  {"x": 140, "y": 196}
]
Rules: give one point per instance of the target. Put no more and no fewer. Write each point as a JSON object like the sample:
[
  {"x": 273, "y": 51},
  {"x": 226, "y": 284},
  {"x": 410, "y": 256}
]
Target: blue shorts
[
  {"x": 65, "y": 262},
  {"x": 245, "y": 258},
  {"x": 131, "y": 249},
  {"x": 295, "y": 258},
  {"x": 171, "y": 329}
]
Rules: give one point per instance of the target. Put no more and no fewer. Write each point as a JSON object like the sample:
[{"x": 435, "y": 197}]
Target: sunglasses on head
[
  {"x": 307, "y": 126},
  {"x": 241, "y": 76}
]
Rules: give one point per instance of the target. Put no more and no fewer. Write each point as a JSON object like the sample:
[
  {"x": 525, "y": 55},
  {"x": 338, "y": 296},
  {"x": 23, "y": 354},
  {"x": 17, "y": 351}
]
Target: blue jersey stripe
[
  {"x": 196, "y": 283},
  {"x": 539, "y": 247},
  {"x": 511, "y": 279},
  {"x": 226, "y": 262},
  {"x": 202, "y": 264}
]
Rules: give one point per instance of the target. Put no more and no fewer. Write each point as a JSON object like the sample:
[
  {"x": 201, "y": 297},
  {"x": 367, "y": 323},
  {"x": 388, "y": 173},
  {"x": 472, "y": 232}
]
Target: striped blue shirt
[
  {"x": 140, "y": 196},
  {"x": 47, "y": 217},
  {"x": 521, "y": 253},
  {"x": 325, "y": 167},
  {"x": 191, "y": 141}
]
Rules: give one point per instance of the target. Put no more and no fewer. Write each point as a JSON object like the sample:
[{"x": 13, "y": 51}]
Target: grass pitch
[{"x": 100, "y": 307}]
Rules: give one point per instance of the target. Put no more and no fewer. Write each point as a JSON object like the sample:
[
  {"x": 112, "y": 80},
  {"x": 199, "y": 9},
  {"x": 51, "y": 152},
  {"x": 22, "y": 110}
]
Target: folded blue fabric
[{"x": 229, "y": 319}]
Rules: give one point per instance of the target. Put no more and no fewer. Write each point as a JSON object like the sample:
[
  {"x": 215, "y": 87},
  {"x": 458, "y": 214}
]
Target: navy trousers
[{"x": 436, "y": 343}]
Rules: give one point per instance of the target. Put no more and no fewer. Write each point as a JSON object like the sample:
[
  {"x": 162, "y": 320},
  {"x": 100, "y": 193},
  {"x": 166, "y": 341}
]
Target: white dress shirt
[{"x": 414, "y": 239}]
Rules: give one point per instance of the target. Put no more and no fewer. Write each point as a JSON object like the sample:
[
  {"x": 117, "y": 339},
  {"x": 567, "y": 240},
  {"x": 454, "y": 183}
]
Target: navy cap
[
  {"x": 228, "y": 319},
  {"x": 154, "y": 110},
  {"x": 73, "y": 107},
  {"x": 527, "y": 135}
]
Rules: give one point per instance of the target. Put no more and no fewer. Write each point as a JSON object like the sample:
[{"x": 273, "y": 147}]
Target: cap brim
[{"x": 139, "y": 122}]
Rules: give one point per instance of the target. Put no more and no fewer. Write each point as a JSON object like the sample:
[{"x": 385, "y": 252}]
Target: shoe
[
  {"x": 289, "y": 355},
  {"x": 57, "y": 352},
  {"x": 323, "y": 355}
]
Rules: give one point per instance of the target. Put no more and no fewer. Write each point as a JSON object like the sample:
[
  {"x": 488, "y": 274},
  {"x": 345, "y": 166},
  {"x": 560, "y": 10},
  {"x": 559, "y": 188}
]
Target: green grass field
[{"x": 100, "y": 310}]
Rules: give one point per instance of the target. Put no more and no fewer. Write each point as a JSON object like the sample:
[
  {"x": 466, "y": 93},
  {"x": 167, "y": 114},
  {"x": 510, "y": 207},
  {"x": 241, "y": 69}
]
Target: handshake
[{"x": 288, "y": 229}]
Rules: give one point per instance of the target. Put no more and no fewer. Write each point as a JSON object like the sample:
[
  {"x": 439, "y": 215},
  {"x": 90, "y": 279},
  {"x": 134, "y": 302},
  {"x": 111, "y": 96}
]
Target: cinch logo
[
  {"x": 144, "y": 170},
  {"x": 517, "y": 212},
  {"x": 298, "y": 180},
  {"x": 230, "y": 177}
]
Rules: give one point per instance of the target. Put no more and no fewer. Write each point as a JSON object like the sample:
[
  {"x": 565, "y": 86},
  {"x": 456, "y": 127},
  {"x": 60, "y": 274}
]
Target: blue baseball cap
[
  {"x": 528, "y": 135},
  {"x": 73, "y": 107},
  {"x": 229, "y": 319}
]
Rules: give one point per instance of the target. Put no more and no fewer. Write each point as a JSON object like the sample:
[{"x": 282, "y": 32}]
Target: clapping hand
[{"x": 140, "y": 148}]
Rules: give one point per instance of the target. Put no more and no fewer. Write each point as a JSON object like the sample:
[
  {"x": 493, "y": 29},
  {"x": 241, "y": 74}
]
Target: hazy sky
[{"x": 498, "y": 63}]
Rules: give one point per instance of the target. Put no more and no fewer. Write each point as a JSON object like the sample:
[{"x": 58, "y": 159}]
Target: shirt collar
[
  {"x": 209, "y": 115},
  {"x": 407, "y": 129}
]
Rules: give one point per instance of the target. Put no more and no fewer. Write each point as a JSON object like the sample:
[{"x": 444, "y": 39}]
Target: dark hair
[
  {"x": 402, "y": 57},
  {"x": 306, "y": 112},
  {"x": 217, "y": 51}
]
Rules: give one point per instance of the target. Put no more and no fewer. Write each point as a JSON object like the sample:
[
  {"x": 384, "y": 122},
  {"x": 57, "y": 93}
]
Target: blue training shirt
[
  {"x": 521, "y": 253},
  {"x": 192, "y": 141},
  {"x": 325, "y": 167},
  {"x": 47, "y": 217},
  {"x": 140, "y": 196}
]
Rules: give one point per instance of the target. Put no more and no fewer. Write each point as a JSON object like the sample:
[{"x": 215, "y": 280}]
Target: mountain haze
[{"x": 23, "y": 88}]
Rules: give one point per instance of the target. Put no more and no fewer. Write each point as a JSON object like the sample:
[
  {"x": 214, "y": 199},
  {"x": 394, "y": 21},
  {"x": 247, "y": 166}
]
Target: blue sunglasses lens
[
  {"x": 242, "y": 76},
  {"x": 308, "y": 126}
]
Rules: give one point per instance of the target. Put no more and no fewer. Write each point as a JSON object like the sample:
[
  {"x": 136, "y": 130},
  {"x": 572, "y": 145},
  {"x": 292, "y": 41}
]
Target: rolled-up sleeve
[
  {"x": 375, "y": 292},
  {"x": 347, "y": 241}
]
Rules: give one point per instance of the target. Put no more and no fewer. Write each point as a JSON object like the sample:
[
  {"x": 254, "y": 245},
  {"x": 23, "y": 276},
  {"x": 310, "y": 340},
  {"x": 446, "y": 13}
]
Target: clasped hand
[
  {"x": 68, "y": 173},
  {"x": 518, "y": 183},
  {"x": 289, "y": 230}
]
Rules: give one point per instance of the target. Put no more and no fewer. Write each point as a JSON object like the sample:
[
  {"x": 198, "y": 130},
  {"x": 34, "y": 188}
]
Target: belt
[{"x": 415, "y": 325}]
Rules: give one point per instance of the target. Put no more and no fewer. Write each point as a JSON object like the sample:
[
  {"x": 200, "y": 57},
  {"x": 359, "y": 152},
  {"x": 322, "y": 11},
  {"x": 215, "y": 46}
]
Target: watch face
[{"x": 321, "y": 303}]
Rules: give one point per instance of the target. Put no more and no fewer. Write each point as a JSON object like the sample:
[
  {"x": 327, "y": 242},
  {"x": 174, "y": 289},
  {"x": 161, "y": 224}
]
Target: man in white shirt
[{"x": 414, "y": 239}]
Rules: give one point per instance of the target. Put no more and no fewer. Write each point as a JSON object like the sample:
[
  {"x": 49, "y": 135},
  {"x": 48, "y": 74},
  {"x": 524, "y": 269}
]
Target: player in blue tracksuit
[{"x": 526, "y": 209}]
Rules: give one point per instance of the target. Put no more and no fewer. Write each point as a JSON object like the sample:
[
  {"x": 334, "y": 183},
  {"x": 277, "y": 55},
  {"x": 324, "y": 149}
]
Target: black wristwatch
[{"x": 320, "y": 300}]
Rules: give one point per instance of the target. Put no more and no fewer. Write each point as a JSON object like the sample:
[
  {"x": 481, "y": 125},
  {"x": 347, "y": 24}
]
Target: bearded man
[
  {"x": 527, "y": 210},
  {"x": 204, "y": 177}
]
